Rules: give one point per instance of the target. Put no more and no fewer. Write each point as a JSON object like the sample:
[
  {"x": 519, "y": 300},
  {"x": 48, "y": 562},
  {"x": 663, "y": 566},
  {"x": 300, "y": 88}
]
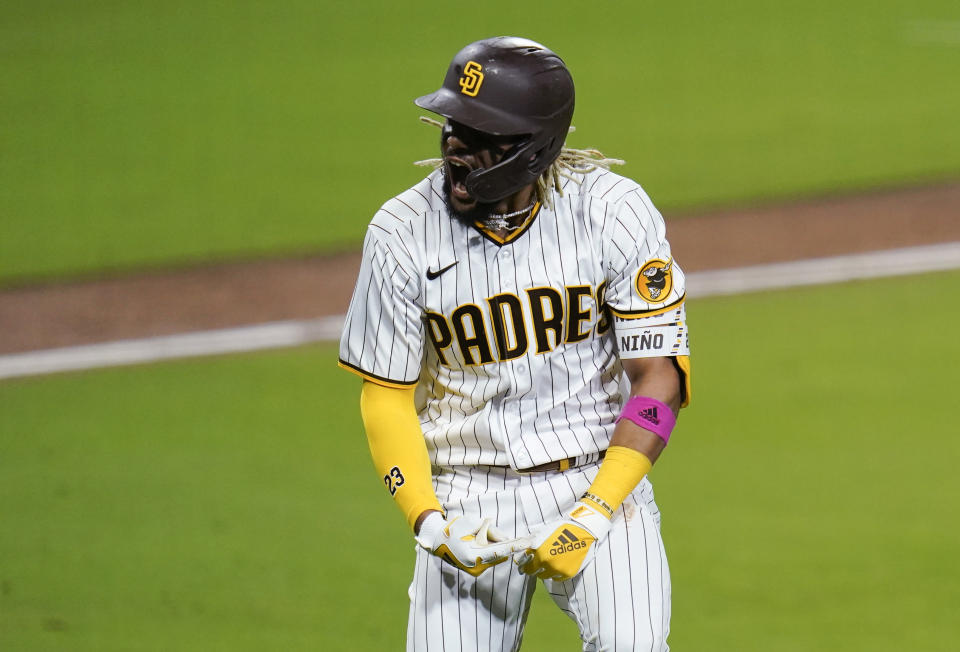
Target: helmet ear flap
[
  {"x": 514, "y": 171},
  {"x": 521, "y": 167},
  {"x": 548, "y": 151}
]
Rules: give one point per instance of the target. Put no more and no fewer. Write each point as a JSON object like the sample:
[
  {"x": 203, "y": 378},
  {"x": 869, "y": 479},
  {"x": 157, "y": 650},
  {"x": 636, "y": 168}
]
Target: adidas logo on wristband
[{"x": 650, "y": 414}]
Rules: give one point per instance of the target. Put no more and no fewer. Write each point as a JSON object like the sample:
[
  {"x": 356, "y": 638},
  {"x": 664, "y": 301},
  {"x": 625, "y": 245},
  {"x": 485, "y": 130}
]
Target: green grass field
[
  {"x": 809, "y": 494},
  {"x": 142, "y": 134}
]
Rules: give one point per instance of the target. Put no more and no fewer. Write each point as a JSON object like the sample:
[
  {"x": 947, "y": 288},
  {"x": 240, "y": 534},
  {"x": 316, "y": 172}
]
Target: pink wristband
[{"x": 650, "y": 414}]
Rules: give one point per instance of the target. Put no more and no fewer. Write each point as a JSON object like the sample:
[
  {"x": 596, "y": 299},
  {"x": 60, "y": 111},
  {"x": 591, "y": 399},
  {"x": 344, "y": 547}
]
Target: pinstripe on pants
[{"x": 450, "y": 610}]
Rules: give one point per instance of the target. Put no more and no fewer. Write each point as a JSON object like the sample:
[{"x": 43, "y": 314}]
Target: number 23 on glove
[{"x": 560, "y": 548}]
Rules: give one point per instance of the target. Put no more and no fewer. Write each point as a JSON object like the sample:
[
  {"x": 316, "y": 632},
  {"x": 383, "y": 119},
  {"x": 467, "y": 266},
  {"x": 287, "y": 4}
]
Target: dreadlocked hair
[{"x": 571, "y": 164}]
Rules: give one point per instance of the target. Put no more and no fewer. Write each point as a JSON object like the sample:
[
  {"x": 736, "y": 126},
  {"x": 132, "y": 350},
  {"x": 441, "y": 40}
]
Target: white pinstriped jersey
[{"x": 509, "y": 340}]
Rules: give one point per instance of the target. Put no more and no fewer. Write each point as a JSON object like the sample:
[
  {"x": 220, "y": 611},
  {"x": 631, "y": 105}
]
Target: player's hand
[
  {"x": 559, "y": 550},
  {"x": 468, "y": 543}
]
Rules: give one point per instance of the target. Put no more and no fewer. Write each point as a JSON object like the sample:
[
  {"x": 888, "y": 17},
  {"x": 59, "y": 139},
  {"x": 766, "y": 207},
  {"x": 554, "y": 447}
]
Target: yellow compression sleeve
[
  {"x": 622, "y": 469},
  {"x": 397, "y": 447}
]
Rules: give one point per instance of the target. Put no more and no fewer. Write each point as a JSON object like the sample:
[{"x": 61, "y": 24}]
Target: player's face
[{"x": 465, "y": 150}]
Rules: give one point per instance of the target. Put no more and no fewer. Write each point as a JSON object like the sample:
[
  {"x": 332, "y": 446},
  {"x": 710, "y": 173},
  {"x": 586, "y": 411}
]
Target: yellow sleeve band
[
  {"x": 621, "y": 471},
  {"x": 397, "y": 447}
]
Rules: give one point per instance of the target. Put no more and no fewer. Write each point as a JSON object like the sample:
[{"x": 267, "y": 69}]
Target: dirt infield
[{"x": 238, "y": 293}]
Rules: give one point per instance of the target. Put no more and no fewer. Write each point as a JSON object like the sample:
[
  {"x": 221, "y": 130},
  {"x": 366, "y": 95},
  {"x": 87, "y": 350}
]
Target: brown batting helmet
[{"x": 508, "y": 86}]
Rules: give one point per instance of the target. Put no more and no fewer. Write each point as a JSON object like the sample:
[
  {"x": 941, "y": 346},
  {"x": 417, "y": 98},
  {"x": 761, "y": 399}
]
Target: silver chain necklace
[{"x": 501, "y": 221}]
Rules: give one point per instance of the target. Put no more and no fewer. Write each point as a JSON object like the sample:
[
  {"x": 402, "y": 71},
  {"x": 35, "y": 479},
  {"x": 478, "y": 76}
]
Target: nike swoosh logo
[{"x": 434, "y": 274}]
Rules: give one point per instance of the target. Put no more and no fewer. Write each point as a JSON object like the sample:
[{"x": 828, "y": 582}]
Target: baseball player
[{"x": 519, "y": 325}]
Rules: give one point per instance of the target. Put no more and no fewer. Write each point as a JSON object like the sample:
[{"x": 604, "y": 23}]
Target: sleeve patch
[{"x": 655, "y": 280}]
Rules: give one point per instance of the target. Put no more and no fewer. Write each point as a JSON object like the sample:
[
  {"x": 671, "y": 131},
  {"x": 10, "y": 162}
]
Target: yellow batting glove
[
  {"x": 560, "y": 549},
  {"x": 468, "y": 543}
]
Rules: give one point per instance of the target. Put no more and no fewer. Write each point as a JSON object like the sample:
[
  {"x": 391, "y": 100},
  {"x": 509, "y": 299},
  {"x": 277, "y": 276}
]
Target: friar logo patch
[{"x": 654, "y": 281}]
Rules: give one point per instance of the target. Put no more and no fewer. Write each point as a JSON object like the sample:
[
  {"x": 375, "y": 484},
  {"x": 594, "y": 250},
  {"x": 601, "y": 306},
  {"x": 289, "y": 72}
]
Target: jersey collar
[{"x": 512, "y": 235}]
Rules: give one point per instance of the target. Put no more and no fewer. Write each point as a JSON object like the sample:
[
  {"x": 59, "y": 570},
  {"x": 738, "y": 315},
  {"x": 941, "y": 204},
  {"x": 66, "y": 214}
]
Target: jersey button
[{"x": 523, "y": 458}]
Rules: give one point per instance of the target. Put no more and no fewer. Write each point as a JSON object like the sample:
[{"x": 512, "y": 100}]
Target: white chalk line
[
  {"x": 818, "y": 271},
  {"x": 282, "y": 334}
]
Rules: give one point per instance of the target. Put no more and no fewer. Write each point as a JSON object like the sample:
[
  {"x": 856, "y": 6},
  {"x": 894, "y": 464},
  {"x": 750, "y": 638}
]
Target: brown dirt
[{"x": 231, "y": 294}]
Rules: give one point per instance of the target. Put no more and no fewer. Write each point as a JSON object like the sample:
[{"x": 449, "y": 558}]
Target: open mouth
[{"x": 457, "y": 170}]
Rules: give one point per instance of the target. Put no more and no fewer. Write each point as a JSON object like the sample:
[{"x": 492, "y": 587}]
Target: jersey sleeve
[
  {"x": 643, "y": 279},
  {"x": 382, "y": 338},
  {"x": 645, "y": 292}
]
